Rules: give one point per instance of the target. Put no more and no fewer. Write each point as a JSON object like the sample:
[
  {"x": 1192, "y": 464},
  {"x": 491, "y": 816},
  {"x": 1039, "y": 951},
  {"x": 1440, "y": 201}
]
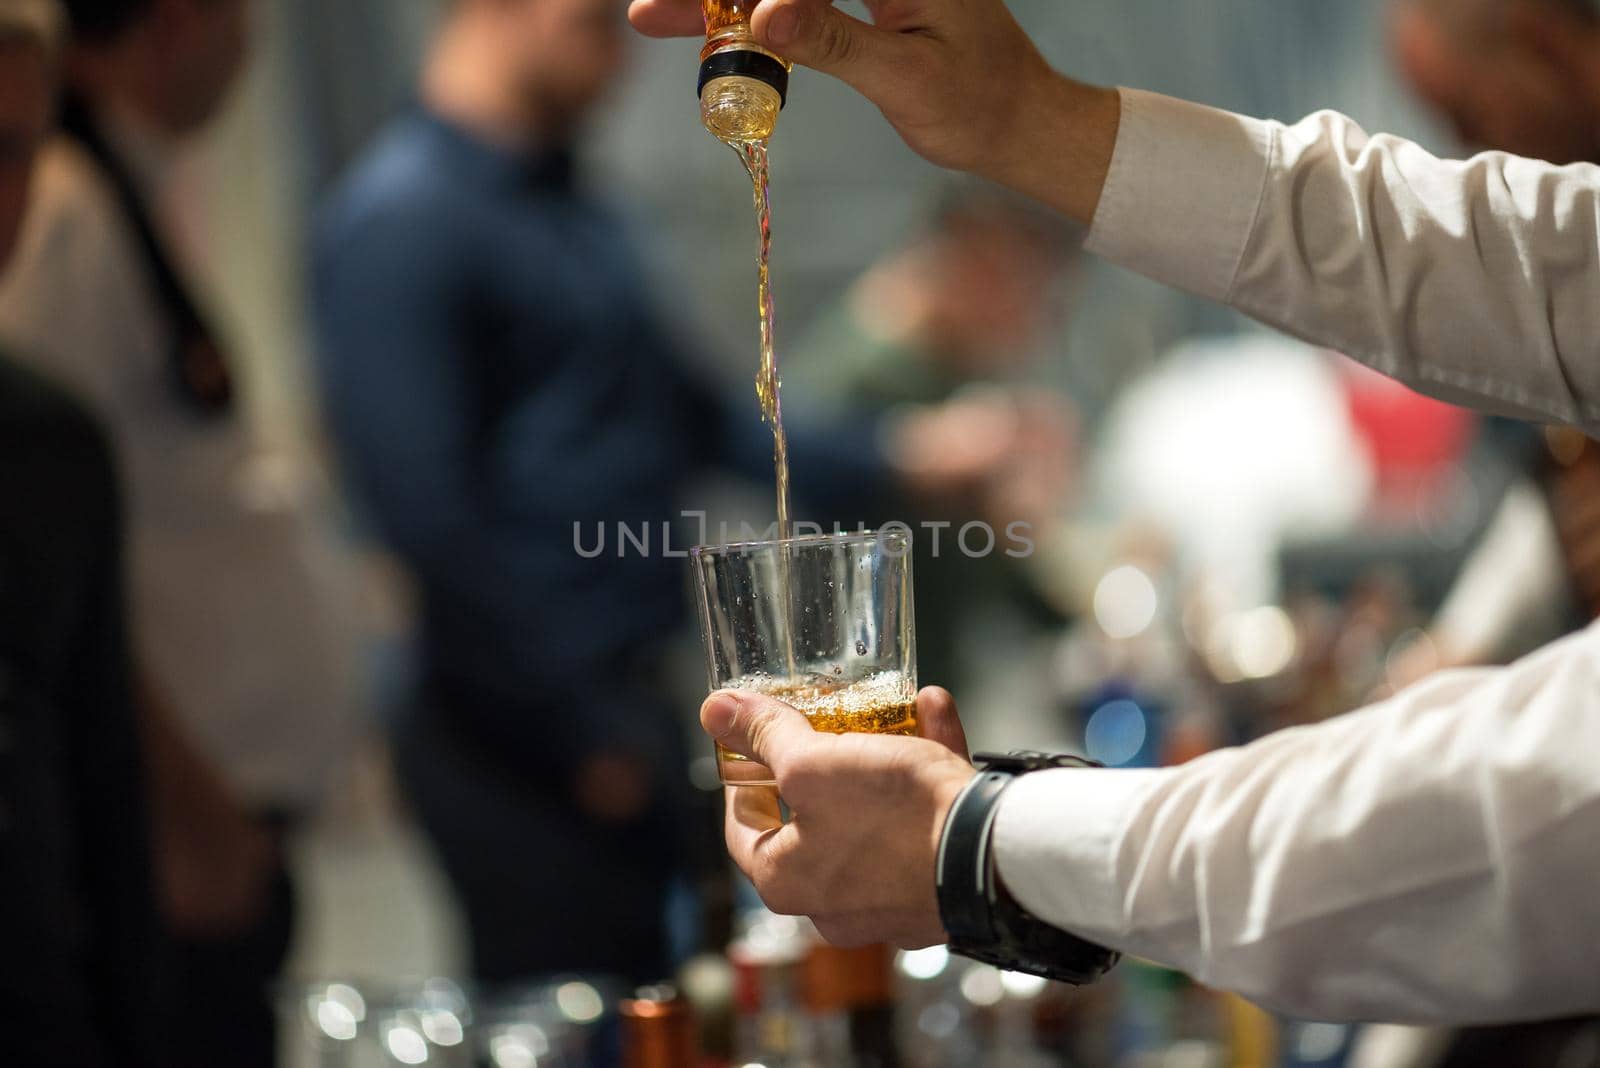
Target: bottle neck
[{"x": 736, "y": 37}]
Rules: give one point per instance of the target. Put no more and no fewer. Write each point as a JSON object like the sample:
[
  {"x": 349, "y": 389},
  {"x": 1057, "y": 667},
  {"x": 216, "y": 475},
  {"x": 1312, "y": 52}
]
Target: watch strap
[
  {"x": 982, "y": 921},
  {"x": 963, "y": 864}
]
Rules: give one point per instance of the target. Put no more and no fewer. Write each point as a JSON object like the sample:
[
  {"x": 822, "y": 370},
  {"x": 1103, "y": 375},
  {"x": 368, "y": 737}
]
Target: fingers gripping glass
[{"x": 822, "y": 623}]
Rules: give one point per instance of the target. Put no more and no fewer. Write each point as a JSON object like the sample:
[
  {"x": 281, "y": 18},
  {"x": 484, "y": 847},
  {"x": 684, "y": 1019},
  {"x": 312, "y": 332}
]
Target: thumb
[
  {"x": 761, "y": 728},
  {"x": 936, "y": 715},
  {"x": 815, "y": 34}
]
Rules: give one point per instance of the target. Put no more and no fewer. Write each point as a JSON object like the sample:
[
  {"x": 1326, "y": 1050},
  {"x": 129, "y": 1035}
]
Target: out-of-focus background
[
  {"x": 1231, "y": 532},
  {"x": 845, "y": 190}
]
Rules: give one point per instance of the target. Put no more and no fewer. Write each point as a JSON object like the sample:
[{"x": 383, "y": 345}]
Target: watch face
[
  {"x": 1012, "y": 763},
  {"x": 1024, "y": 760}
]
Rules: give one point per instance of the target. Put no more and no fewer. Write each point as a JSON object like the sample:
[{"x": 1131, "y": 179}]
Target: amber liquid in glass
[{"x": 881, "y": 704}]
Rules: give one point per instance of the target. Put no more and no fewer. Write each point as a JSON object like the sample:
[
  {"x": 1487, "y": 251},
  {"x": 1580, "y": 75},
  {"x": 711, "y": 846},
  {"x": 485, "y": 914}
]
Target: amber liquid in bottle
[{"x": 740, "y": 102}]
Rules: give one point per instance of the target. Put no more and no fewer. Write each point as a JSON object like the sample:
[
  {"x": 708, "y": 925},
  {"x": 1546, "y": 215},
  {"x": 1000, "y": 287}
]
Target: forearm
[
  {"x": 1423, "y": 860},
  {"x": 1056, "y": 144}
]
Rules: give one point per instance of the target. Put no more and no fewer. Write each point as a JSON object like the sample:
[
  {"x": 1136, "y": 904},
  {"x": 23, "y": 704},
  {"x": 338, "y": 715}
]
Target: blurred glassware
[
  {"x": 772, "y": 1029},
  {"x": 400, "y": 1036},
  {"x": 568, "y": 1022},
  {"x": 328, "y": 1019},
  {"x": 427, "y": 1023},
  {"x": 934, "y": 1023}
]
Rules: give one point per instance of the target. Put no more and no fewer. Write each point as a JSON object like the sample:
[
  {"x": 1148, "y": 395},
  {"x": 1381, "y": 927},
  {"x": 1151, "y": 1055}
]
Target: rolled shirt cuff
[
  {"x": 1056, "y": 841},
  {"x": 1181, "y": 198}
]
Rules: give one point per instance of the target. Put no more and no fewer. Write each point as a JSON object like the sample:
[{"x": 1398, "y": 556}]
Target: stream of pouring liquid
[{"x": 753, "y": 154}]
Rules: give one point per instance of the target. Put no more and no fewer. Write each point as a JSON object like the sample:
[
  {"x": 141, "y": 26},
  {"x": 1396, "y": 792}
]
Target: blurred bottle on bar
[
  {"x": 742, "y": 86},
  {"x": 658, "y": 1029},
  {"x": 849, "y": 994},
  {"x": 773, "y": 1029},
  {"x": 707, "y": 981}
]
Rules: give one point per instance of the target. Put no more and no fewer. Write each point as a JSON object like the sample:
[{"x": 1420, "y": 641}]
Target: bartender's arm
[
  {"x": 1427, "y": 859},
  {"x": 1431, "y": 858},
  {"x": 1474, "y": 281}
]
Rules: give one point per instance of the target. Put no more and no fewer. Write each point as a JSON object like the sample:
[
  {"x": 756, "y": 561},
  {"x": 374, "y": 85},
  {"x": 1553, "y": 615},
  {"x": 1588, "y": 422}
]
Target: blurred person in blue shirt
[{"x": 502, "y": 390}]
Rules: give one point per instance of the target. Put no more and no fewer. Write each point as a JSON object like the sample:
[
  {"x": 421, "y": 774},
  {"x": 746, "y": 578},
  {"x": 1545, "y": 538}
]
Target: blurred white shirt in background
[
  {"x": 1233, "y": 446},
  {"x": 241, "y": 602},
  {"x": 1513, "y": 592}
]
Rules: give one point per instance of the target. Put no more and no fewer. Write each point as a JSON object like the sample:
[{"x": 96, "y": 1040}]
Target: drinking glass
[{"x": 823, "y": 623}]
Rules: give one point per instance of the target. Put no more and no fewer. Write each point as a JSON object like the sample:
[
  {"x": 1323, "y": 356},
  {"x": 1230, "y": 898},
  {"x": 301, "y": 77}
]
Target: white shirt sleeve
[
  {"x": 238, "y": 593},
  {"x": 1428, "y": 859},
  {"x": 1473, "y": 281}
]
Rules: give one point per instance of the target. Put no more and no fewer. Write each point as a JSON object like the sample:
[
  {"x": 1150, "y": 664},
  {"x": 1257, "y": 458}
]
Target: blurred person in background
[
  {"x": 970, "y": 299},
  {"x": 248, "y": 686},
  {"x": 1519, "y": 76},
  {"x": 1501, "y": 72},
  {"x": 961, "y": 313},
  {"x": 503, "y": 391},
  {"x": 82, "y": 975}
]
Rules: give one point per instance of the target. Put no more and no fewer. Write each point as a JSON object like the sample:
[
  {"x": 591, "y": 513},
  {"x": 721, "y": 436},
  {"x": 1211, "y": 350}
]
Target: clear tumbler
[{"x": 823, "y": 623}]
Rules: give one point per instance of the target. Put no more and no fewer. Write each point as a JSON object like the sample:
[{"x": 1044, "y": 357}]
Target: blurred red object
[{"x": 1415, "y": 443}]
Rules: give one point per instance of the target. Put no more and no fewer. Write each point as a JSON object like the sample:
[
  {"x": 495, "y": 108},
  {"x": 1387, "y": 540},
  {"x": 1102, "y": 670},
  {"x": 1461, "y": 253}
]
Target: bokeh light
[
  {"x": 927, "y": 963},
  {"x": 1115, "y": 733},
  {"x": 1125, "y": 602}
]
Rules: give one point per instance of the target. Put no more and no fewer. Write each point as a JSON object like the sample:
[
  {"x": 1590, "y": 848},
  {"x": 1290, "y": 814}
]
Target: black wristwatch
[{"x": 983, "y": 921}]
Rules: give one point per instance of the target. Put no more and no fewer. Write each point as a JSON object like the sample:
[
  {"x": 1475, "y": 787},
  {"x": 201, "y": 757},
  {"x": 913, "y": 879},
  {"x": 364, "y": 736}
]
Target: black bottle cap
[{"x": 746, "y": 63}]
